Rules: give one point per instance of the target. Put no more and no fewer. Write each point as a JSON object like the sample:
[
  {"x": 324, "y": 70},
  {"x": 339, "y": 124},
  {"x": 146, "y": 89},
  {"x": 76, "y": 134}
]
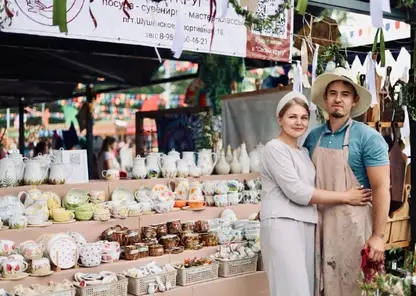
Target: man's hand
[{"x": 376, "y": 245}]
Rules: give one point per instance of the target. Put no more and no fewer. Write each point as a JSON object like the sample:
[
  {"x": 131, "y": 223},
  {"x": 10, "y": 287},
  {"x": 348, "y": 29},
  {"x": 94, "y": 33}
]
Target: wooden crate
[{"x": 398, "y": 225}]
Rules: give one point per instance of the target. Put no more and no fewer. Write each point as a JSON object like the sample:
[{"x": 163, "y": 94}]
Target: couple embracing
[{"x": 325, "y": 202}]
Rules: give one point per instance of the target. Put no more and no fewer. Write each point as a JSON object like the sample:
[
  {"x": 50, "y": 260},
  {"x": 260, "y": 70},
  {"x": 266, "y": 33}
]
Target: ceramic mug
[
  {"x": 31, "y": 250},
  {"x": 196, "y": 204},
  {"x": 13, "y": 268},
  {"x": 234, "y": 198},
  {"x": 210, "y": 200},
  {"x": 97, "y": 195},
  {"x": 18, "y": 222},
  {"x": 62, "y": 215},
  {"x": 7, "y": 247},
  {"x": 40, "y": 266},
  {"x": 111, "y": 174},
  {"x": 35, "y": 220},
  {"x": 221, "y": 200}
]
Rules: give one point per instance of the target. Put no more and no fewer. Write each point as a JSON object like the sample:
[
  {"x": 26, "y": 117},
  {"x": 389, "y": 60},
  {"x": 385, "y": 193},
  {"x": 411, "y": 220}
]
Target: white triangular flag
[
  {"x": 315, "y": 63},
  {"x": 376, "y": 12},
  {"x": 179, "y": 39},
  {"x": 406, "y": 124},
  {"x": 304, "y": 56},
  {"x": 222, "y": 8}
]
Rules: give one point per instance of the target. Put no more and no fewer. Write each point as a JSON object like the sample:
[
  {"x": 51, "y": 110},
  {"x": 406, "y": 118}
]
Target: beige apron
[{"x": 342, "y": 230}]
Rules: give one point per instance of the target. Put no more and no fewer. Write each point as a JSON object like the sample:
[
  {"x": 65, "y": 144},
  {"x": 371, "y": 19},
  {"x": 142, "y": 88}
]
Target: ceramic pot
[
  {"x": 168, "y": 166},
  {"x": 35, "y": 172},
  {"x": 206, "y": 161},
  {"x": 235, "y": 164},
  {"x": 152, "y": 166},
  {"x": 182, "y": 168},
  {"x": 139, "y": 168},
  {"x": 222, "y": 167},
  {"x": 59, "y": 172},
  {"x": 189, "y": 156}
]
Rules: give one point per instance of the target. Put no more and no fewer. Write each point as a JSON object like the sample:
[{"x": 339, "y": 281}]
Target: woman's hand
[{"x": 358, "y": 196}]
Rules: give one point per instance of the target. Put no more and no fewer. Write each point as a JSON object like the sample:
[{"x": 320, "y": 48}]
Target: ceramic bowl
[
  {"x": 75, "y": 198},
  {"x": 120, "y": 194},
  {"x": 84, "y": 216}
]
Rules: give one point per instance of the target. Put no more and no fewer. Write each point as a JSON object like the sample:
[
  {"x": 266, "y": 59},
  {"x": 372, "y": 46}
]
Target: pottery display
[
  {"x": 59, "y": 172},
  {"x": 244, "y": 159},
  {"x": 153, "y": 166},
  {"x": 222, "y": 167},
  {"x": 35, "y": 172},
  {"x": 11, "y": 171},
  {"x": 235, "y": 164},
  {"x": 182, "y": 168},
  {"x": 139, "y": 170},
  {"x": 206, "y": 161},
  {"x": 167, "y": 165}
]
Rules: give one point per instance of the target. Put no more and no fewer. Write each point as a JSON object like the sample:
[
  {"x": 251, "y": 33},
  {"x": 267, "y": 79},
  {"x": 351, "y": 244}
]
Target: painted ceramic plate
[
  {"x": 160, "y": 188},
  {"x": 64, "y": 253}
]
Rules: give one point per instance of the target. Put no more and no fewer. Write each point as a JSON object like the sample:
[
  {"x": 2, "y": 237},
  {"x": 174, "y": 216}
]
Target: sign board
[
  {"x": 153, "y": 24},
  {"x": 79, "y": 164}
]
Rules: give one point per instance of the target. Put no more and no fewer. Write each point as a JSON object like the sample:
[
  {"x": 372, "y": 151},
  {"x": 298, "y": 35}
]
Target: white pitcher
[
  {"x": 152, "y": 166},
  {"x": 189, "y": 156},
  {"x": 16, "y": 156},
  {"x": 175, "y": 154},
  {"x": 168, "y": 166},
  {"x": 139, "y": 170},
  {"x": 35, "y": 172},
  {"x": 207, "y": 161},
  {"x": 59, "y": 172},
  {"x": 10, "y": 171}
]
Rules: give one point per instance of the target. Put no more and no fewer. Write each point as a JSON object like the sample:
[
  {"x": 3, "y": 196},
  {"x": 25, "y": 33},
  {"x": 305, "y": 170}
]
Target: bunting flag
[
  {"x": 59, "y": 15},
  {"x": 301, "y": 6}
]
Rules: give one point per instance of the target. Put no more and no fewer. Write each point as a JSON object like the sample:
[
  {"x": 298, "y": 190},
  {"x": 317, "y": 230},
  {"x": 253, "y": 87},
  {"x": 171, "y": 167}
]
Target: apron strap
[
  {"x": 346, "y": 137},
  {"x": 345, "y": 147}
]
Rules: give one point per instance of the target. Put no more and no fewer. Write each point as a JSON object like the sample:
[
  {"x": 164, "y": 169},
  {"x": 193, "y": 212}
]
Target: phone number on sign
[{"x": 170, "y": 37}]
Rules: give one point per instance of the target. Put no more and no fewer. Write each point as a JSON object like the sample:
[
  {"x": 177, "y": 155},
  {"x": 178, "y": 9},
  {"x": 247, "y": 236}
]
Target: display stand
[{"x": 245, "y": 285}]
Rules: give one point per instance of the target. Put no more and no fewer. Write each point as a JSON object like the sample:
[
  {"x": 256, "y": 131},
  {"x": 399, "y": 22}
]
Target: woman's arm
[{"x": 279, "y": 164}]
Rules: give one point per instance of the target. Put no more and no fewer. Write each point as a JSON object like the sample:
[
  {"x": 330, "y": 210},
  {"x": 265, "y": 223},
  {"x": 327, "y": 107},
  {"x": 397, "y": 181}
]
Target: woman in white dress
[
  {"x": 107, "y": 158},
  {"x": 288, "y": 210}
]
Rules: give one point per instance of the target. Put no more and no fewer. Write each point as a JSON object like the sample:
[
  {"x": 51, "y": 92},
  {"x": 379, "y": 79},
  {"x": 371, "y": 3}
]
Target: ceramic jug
[
  {"x": 56, "y": 155},
  {"x": 189, "y": 156},
  {"x": 235, "y": 164},
  {"x": 35, "y": 172},
  {"x": 195, "y": 191},
  {"x": 168, "y": 166},
  {"x": 10, "y": 171},
  {"x": 206, "y": 161},
  {"x": 16, "y": 156},
  {"x": 59, "y": 172},
  {"x": 180, "y": 187},
  {"x": 182, "y": 167},
  {"x": 152, "y": 166},
  {"x": 139, "y": 170},
  {"x": 31, "y": 196}
]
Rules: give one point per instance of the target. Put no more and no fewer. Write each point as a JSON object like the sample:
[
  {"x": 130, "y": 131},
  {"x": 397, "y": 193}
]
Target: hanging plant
[
  {"x": 408, "y": 95},
  {"x": 251, "y": 20}
]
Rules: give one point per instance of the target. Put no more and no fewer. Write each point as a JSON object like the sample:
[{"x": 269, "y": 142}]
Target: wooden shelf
[
  {"x": 404, "y": 244},
  {"x": 383, "y": 124}
]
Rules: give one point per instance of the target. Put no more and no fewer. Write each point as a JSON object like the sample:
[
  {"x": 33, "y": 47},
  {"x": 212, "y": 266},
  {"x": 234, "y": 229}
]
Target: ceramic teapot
[
  {"x": 35, "y": 172},
  {"x": 206, "y": 161},
  {"x": 31, "y": 196},
  {"x": 59, "y": 172},
  {"x": 16, "y": 156},
  {"x": 139, "y": 170},
  {"x": 189, "y": 156},
  {"x": 10, "y": 206},
  {"x": 175, "y": 154},
  {"x": 168, "y": 166},
  {"x": 11, "y": 171}
]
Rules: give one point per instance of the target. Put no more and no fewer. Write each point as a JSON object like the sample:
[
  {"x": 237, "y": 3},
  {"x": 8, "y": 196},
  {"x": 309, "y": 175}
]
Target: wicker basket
[
  {"x": 260, "y": 265},
  {"x": 237, "y": 267},
  {"x": 197, "y": 274},
  {"x": 70, "y": 292},
  {"x": 140, "y": 286},
  {"x": 118, "y": 288}
]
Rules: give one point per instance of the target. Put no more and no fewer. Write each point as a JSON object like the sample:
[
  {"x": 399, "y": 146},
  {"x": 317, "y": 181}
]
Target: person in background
[
  {"x": 288, "y": 213},
  {"x": 346, "y": 154},
  {"x": 41, "y": 148},
  {"x": 107, "y": 158}
]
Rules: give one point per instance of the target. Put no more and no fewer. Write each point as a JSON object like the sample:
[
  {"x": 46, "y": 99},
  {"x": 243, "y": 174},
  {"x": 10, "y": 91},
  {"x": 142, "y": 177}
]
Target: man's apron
[{"x": 342, "y": 230}]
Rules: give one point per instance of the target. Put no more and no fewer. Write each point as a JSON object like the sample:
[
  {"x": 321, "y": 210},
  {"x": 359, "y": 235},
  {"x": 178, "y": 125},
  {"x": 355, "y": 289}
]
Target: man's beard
[{"x": 338, "y": 114}]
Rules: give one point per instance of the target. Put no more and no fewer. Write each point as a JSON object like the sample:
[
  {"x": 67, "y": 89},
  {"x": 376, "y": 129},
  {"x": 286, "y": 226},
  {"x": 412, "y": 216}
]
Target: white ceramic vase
[
  {"x": 222, "y": 167},
  {"x": 235, "y": 164},
  {"x": 244, "y": 159},
  {"x": 229, "y": 156}
]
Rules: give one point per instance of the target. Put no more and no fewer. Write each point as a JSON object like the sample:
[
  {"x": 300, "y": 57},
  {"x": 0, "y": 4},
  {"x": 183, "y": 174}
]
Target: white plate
[
  {"x": 120, "y": 194},
  {"x": 63, "y": 252},
  {"x": 45, "y": 224}
]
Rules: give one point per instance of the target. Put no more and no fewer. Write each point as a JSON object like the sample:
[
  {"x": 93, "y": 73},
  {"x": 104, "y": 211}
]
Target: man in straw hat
[{"x": 347, "y": 153}]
